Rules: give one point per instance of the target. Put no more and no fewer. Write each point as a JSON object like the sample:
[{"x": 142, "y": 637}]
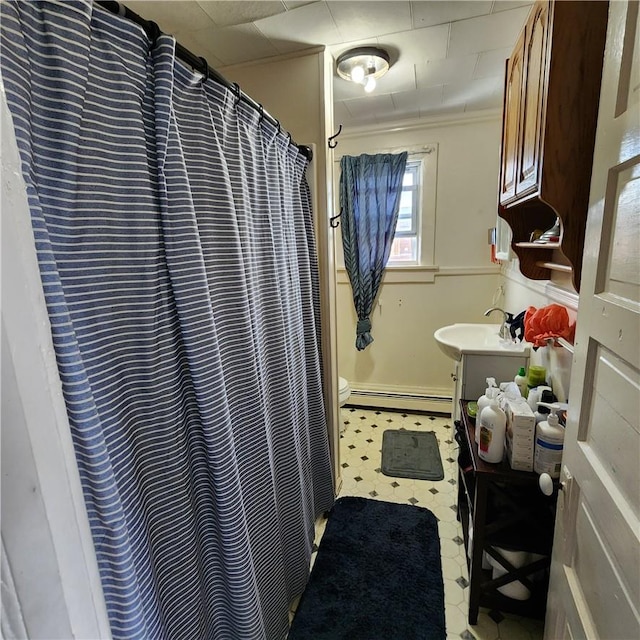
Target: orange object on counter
[{"x": 547, "y": 323}]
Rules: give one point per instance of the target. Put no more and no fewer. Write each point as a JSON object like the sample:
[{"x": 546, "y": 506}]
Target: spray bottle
[
  {"x": 547, "y": 457},
  {"x": 484, "y": 401}
]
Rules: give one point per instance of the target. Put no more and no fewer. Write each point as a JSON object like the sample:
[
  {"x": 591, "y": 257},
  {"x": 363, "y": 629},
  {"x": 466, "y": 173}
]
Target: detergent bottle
[
  {"x": 492, "y": 428},
  {"x": 483, "y": 401},
  {"x": 547, "y": 457}
]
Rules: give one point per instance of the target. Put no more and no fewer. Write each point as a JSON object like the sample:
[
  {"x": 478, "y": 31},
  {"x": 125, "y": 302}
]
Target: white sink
[{"x": 458, "y": 339}]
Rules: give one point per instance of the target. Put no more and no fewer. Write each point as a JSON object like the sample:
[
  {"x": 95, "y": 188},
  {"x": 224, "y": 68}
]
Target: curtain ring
[
  {"x": 153, "y": 32},
  {"x": 238, "y": 94},
  {"x": 261, "y": 111},
  {"x": 205, "y": 72}
]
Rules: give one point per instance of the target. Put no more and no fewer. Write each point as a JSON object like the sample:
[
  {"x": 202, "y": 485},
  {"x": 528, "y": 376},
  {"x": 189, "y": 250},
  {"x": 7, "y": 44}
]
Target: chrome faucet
[{"x": 503, "y": 332}]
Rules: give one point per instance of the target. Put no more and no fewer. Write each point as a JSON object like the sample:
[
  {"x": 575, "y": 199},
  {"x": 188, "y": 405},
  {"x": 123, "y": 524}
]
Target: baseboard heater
[{"x": 401, "y": 400}]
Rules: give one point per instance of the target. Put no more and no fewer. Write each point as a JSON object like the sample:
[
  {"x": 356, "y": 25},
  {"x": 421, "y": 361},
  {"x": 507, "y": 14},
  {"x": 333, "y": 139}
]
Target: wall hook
[
  {"x": 330, "y": 141},
  {"x": 334, "y": 221}
]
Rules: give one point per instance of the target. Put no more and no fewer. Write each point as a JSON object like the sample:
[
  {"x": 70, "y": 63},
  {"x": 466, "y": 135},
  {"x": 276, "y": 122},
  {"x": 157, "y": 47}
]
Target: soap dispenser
[
  {"x": 483, "y": 401},
  {"x": 547, "y": 457}
]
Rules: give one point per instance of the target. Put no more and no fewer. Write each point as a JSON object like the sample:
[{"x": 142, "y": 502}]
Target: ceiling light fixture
[{"x": 363, "y": 65}]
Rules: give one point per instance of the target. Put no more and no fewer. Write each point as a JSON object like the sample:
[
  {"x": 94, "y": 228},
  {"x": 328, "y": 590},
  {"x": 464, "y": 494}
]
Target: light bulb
[
  {"x": 370, "y": 85},
  {"x": 357, "y": 74}
]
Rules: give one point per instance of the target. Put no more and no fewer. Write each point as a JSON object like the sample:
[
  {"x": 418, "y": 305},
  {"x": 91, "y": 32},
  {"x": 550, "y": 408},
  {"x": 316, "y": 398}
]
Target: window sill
[
  {"x": 422, "y": 274},
  {"x": 399, "y": 274}
]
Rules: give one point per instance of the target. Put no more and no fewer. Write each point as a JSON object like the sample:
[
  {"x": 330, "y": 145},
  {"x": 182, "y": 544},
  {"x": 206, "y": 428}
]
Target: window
[
  {"x": 413, "y": 249},
  {"x": 404, "y": 249}
]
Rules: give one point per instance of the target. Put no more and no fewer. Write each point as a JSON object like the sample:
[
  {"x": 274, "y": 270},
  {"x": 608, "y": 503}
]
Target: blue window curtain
[
  {"x": 370, "y": 190},
  {"x": 173, "y": 234}
]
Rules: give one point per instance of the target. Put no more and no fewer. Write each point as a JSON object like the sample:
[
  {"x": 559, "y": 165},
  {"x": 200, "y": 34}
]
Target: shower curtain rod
[{"x": 199, "y": 64}]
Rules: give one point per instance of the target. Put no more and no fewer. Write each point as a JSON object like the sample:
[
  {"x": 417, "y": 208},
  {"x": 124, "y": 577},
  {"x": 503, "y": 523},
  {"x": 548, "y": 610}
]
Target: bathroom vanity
[
  {"x": 470, "y": 374},
  {"x": 503, "y": 514},
  {"x": 479, "y": 353}
]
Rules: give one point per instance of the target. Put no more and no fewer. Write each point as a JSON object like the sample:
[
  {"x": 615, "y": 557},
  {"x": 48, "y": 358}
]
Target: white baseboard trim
[{"x": 414, "y": 400}]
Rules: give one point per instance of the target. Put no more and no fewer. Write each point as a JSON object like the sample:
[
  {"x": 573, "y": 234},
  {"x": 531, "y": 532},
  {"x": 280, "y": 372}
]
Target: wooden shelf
[
  {"x": 538, "y": 245},
  {"x": 554, "y": 266}
]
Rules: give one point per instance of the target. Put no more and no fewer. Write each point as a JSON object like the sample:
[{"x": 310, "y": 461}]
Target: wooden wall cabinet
[{"x": 552, "y": 90}]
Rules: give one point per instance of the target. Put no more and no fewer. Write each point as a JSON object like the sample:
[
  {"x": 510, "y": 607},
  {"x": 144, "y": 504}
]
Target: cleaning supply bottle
[
  {"x": 483, "y": 401},
  {"x": 547, "y": 457},
  {"x": 546, "y": 397},
  {"x": 493, "y": 426},
  {"x": 536, "y": 376},
  {"x": 535, "y": 396},
  {"x": 521, "y": 381}
]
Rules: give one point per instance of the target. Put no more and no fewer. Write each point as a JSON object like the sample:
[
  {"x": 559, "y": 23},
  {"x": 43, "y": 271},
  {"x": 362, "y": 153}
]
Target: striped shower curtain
[{"x": 174, "y": 237}]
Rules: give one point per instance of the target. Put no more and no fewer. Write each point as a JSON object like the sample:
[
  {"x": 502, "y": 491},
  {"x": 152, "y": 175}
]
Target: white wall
[
  {"x": 404, "y": 359},
  {"x": 521, "y": 293},
  {"x": 50, "y": 582}
]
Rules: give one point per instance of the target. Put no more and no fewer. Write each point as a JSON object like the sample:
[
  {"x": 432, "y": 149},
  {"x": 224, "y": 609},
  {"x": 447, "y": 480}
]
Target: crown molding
[{"x": 486, "y": 115}]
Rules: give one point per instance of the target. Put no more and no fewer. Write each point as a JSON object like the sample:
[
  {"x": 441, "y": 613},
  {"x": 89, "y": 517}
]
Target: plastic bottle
[
  {"x": 537, "y": 376},
  {"x": 483, "y": 401},
  {"x": 521, "y": 381},
  {"x": 547, "y": 457},
  {"x": 493, "y": 424},
  {"x": 535, "y": 396},
  {"x": 542, "y": 413}
]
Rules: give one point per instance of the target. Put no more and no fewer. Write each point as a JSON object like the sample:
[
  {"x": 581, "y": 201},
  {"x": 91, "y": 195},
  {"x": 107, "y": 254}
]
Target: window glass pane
[
  {"x": 404, "y": 249},
  {"x": 409, "y": 179},
  {"x": 406, "y": 203}
]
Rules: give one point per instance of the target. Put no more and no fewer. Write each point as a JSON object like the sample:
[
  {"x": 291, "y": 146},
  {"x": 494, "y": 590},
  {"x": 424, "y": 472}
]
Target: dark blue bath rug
[{"x": 377, "y": 576}]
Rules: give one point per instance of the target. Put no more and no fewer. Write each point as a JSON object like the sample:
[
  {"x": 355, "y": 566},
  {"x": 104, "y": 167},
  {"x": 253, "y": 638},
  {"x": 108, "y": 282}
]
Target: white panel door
[{"x": 595, "y": 576}]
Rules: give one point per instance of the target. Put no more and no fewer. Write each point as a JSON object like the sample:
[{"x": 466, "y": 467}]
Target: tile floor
[{"x": 360, "y": 455}]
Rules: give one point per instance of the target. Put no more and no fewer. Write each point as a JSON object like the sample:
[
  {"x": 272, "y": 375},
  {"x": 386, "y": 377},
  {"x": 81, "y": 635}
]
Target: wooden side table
[{"x": 507, "y": 511}]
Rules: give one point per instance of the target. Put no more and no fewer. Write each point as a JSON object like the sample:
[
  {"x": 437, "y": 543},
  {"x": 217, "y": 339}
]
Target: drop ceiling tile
[
  {"x": 438, "y": 72},
  {"x": 418, "y": 45},
  {"x": 416, "y": 100},
  {"x": 357, "y": 20},
  {"x": 489, "y": 102},
  {"x": 400, "y": 77},
  {"x": 426, "y": 14},
  {"x": 345, "y": 90},
  {"x": 370, "y": 106},
  {"x": 294, "y": 4},
  {"x": 491, "y": 63},
  {"x": 461, "y": 93},
  {"x": 341, "y": 115},
  {"x": 172, "y": 17},
  {"x": 199, "y": 47},
  {"x": 232, "y": 45},
  {"x": 495, "y": 31},
  {"x": 506, "y": 5},
  {"x": 308, "y": 25},
  {"x": 442, "y": 110},
  {"x": 226, "y": 14}
]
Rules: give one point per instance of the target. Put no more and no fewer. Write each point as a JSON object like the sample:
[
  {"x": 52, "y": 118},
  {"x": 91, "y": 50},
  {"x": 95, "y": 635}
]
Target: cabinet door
[
  {"x": 510, "y": 124},
  {"x": 533, "y": 96}
]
